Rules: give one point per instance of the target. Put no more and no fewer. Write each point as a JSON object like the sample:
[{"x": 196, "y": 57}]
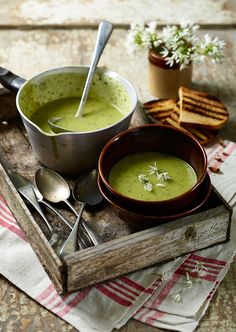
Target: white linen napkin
[{"x": 158, "y": 296}]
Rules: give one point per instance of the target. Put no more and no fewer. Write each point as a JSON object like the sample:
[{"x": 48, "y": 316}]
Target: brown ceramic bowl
[
  {"x": 140, "y": 221},
  {"x": 155, "y": 138}
]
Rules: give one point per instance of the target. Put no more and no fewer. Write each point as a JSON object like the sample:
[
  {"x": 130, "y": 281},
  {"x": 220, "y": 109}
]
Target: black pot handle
[{"x": 10, "y": 81}]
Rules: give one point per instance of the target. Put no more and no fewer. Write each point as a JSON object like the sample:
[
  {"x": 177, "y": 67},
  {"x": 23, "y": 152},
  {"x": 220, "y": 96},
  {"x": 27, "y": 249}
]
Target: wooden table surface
[{"x": 39, "y": 35}]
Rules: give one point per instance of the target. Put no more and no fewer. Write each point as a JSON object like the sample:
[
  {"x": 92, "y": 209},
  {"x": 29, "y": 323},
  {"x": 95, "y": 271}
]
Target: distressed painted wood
[{"x": 91, "y": 12}]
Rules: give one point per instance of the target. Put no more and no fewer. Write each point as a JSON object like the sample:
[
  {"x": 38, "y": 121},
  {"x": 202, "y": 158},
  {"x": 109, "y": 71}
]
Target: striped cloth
[{"x": 173, "y": 295}]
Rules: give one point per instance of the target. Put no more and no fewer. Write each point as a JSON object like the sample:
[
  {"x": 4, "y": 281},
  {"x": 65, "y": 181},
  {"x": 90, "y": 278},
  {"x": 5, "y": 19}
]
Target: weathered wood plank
[
  {"x": 29, "y": 52},
  {"x": 47, "y": 256},
  {"x": 147, "y": 247},
  {"x": 85, "y": 13}
]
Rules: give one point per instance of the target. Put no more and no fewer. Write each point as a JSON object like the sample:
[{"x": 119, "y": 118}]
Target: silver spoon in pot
[
  {"x": 87, "y": 192},
  {"x": 55, "y": 189},
  {"x": 104, "y": 32}
]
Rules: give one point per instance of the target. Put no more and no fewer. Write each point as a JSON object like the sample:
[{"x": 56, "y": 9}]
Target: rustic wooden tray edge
[
  {"x": 145, "y": 248},
  {"x": 125, "y": 254},
  {"x": 50, "y": 261}
]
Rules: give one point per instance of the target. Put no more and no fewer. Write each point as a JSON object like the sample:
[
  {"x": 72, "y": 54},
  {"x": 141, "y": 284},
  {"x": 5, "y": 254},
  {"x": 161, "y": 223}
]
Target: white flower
[
  {"x": 177, "y": 44},
  {"x": 148, "y": 186},
  {"x": 153, "y": 169},
  {"x": 164, "y": 176},
  {"x": 144, "y": 180},
  {"x": 160, "y": 185}
]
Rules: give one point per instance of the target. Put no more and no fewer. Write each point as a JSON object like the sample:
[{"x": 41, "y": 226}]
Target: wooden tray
[{"x": 122, "y": 251}]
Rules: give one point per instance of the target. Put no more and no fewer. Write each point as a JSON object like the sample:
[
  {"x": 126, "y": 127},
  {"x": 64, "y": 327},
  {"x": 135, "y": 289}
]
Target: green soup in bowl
[
  {"x": 152, "y": 176},
  {"x": 153, "y": 169}
]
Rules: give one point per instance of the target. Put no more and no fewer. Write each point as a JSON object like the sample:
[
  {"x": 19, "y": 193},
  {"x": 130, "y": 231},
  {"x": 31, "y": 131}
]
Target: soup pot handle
[{"x": 10, "y": 81}]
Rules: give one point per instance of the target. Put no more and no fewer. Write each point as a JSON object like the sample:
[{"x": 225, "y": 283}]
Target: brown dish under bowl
[
  {"x": 140, "y": 221},
  {"x": 155, "y": 138}
]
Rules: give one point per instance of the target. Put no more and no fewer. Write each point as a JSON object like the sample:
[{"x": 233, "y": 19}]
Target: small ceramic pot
[{"x": 165, "y": 81}]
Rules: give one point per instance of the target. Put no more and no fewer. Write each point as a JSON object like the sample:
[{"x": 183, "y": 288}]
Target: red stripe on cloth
[
  {"x": 53, "y": 298},
  {"x": 192, "y": 267},
  {"x": 223, "y": 152},
  {"x": 153, "y": 287},
  {"x": 156, "y": 314},
  {"x": 45, "y": 293},
  {"x": 218, "y": 149},
  {"x": 115, "y": 297},
  {"x": 208, "y": 260},
  {"x": 119, "y": 284},
  {"x": 230, "y": 148},
  {"x": 213, "y": 290},
  {"x": 17, "y": 231},
  {"x": 181, "y": 271},
  {"x": 117, "y": 289},
  {"x": 8, "y": 219},
  {"x": 80, "y": 296},
  {"x": 165, "y": 291},
  {"x": 133, "y": 284},
  {"x": 5, "y": 210},
  {"x": 148, "y": 316},
  {"x": 59, "y": 303}
]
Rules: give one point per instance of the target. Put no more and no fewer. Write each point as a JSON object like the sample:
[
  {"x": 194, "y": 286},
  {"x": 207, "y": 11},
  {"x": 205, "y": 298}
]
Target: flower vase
[{"x": 165, "y": 81}]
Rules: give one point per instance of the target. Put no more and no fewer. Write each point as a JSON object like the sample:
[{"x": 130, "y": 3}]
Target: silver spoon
[
  {"x": 27, "y": 190},
  {"x": 39, "y": 196},
  {"x": 104, "y": 32},
  {"x": 55, "y": 189},
  {"x": 87, "y": 193},
  {"x": 78, "y": 192}
]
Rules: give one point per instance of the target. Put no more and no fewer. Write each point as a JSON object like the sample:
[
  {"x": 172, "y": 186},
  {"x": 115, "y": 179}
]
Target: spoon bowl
[
  {"x": 86, "y": 192},
  {"x": 86, "y": 188},
  {"x": 55, "y": 189}
]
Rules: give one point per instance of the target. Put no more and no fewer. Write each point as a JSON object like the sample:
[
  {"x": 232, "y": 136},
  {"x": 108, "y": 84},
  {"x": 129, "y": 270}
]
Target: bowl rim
[
  {"x": 183, "y": 213},
  {"x": 138, "y": 128}
]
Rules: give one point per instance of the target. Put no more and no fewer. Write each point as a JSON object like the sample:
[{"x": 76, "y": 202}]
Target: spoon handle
[
  {"x": 104, "y": 32},
  {"x": 70, "y": 245},
  {"x": 67, "y": 222},
  {"x": 96, "y": 239},
  {"x": 29, "y": 194},
  {"x": 71, "y": 207}
]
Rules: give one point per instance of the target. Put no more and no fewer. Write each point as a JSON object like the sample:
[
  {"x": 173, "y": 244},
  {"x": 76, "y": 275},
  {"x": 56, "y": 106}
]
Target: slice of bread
[
  {"x": 201, "y": 109},
  {"x": 160, "y": 109},
  {"x": 204, "y": 136}
]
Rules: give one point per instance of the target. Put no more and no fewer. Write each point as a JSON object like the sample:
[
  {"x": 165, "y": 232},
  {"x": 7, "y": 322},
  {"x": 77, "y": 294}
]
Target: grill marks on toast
[
  {"x": 202, "y": 135},
  {"x": 196, "y": 112},
  {"x": 160, "y": 109},
  {"x": 199, "y": 108}
]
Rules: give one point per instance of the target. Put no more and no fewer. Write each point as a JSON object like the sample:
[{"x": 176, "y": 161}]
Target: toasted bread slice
[
  {"x": 204, "y": 136},
  {"x": 201, "y": 109},
  {"x": 159, "y": 109}
]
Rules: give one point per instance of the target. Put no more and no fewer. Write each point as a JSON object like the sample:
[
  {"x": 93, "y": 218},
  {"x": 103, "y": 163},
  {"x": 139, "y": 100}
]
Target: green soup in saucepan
[
  {"x": 97, "y": 114},
  {"x": 152, "y": 176}
]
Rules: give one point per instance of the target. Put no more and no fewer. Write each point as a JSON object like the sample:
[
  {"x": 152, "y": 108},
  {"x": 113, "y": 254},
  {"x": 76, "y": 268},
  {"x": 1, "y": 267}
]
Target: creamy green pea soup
[
  {"x": 97, "y": 114},
  {"x": 152, "y": 176}
]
